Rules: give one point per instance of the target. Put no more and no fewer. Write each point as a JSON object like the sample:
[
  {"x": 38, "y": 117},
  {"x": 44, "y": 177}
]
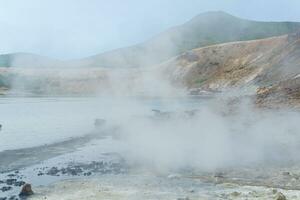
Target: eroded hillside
[
  {"x": 235, "y": 64},
  {"x": 249, "y": 65}
]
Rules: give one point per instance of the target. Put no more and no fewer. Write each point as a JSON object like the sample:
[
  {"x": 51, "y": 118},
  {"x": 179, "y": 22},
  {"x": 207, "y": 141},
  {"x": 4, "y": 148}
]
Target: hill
[
  {"x": 268, "y": 66},
  {"x": 203, "y": 30}
]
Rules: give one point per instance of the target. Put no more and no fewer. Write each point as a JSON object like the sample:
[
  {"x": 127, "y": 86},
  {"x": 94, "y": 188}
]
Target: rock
[
  {"x": 286, "y": 173},
  {"x": 11, "y": 181},
  {"x": 99, "y": 122},
  {"x": 280, "y": 196},
  {"x": 192, "y": 190},
  {"x": 53, "y": 171},
  {"x": 0, "y": 127},
  {"x": 235, "y": 194},
  {"x": 19, "y": 183},
  {"x": 5, "y": 188},
  {"x": 26, "y": 190},
  {"x": 274, "y": 191},
  {"x": 40, "y": 174},
  {"x": 183, "y": 198},
  {"x": 158, "y": 113},
  {"x": 13, "y": 198},
  {"x": 219, "y": 175},
  {"x": 87, "y": 174}
]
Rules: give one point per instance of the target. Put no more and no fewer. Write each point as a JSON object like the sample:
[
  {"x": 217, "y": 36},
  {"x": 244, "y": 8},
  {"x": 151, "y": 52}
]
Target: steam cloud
[{"x": 208, "y": 139}]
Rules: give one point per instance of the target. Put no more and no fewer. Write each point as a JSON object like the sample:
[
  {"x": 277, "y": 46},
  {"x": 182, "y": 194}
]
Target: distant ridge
[{"x": 203, "y": 30}]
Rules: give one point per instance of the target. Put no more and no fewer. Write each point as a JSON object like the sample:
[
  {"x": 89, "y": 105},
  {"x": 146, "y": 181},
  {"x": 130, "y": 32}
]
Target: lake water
[
  {"x": 40, "y": 132},
  {"x": 35, "y": 121}
]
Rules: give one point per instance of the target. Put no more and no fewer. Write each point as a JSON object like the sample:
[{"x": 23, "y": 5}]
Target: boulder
[
  {"x": 26, "y": 190},
  {"x": 280, "y": 196}
]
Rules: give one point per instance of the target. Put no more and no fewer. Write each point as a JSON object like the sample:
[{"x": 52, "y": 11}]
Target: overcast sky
[{"x": 68, "y": 29}]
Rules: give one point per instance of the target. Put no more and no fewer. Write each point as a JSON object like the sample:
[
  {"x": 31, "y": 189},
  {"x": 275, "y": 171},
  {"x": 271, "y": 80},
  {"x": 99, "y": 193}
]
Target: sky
[{"x": 72, "y": 29}]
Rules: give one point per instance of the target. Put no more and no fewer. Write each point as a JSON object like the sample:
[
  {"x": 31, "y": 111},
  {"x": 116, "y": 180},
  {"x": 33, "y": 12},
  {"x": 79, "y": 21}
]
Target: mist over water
[
  {"x": 212, "y": 139},
  {"x": 182, "y": 132},
  {"x": 183, "y": 105},
  {"x": 205, "y": 138}
]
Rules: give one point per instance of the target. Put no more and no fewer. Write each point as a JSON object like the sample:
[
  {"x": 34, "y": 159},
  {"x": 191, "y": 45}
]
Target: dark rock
[
  {"x": 64, "y": 171},
  {"x": 184, "y": 198},
  {"x": 99, "y": 122},
  {"x": 40, "y": 174},
  {"x": 161, "y": 114},
  {"x": 19, "y": 183},
  {"x": 219, "y": 175},
  {"x": 26, "y": 190},
  {"x": 74, "y": 171},
  {"x": 280, "y": 196},
  {"x": 286, "y": 173},
  {"x": 13, "y": 198},
  {"x": 3, "y": 198},
  {"x": 5, "y": 188},
  {"x": 87, "y": 174},
  {"x": 11, "y": 181},
  {"x": 53, "y": 171}
]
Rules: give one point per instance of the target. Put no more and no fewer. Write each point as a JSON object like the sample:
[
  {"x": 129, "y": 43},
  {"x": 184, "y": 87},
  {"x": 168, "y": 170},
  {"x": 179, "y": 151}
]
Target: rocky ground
[
  {"x": 97, "y": 179},
  {"x": 149, "y": 186},
  {"x": 285, "y": 93},
  {"x": 116, "y": 180},
  {"x": 11, "y": 182}
]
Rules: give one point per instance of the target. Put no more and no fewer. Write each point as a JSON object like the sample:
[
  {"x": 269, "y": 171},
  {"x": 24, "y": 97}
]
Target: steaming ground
[{"x": 186, "y": 148}]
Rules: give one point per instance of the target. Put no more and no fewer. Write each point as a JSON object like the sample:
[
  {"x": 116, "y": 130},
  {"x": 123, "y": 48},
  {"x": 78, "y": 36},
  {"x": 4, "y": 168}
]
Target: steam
[
  {"x": 204, "y": 134},
  {"x": 206, "y": 138}
]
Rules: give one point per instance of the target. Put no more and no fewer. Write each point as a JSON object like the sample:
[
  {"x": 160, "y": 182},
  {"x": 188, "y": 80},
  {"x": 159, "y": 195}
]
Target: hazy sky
[{"x": 68, "y": 29}]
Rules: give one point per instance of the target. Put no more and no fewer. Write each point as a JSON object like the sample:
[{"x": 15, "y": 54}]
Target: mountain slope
[
  {"x": 270, "y": 67},
  {"x": 203, "y": 30}
]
